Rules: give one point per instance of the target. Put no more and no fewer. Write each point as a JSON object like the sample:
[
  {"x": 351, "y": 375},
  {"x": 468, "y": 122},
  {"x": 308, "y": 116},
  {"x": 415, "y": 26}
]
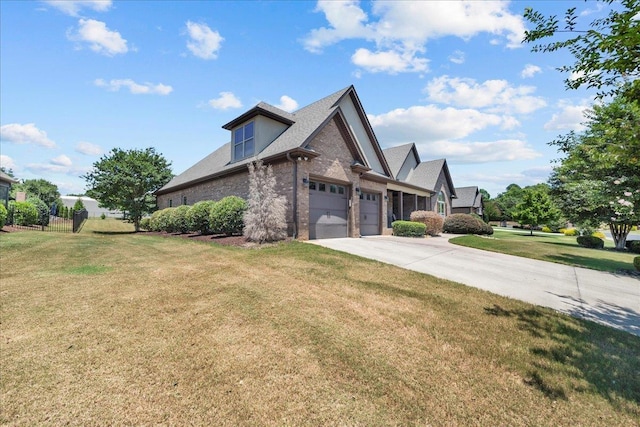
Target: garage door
[
  {"x": 327, "y": 210},
  {"x": 369, "y": 214}
]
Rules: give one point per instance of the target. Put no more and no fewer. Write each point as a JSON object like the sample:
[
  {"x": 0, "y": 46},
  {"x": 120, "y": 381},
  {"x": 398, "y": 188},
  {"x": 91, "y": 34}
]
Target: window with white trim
[
  {"x": 243, "y": 141},
  {"x": 442, "y": 205}
]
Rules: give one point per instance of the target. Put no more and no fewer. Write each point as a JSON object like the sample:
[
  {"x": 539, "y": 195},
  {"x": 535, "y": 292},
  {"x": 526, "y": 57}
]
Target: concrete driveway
[{"x": 602, "y": 297}]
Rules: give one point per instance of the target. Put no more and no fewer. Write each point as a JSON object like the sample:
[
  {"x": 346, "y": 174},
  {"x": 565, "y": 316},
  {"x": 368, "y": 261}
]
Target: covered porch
[{"x": 402, "y": 200}]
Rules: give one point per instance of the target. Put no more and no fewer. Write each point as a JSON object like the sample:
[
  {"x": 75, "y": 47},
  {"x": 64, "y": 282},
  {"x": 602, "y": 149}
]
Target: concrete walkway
[{"x": 602, "y": 297}]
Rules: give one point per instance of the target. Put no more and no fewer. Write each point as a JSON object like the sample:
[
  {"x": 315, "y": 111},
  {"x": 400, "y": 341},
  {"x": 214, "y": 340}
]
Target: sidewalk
[{"x": 598, "y": 296}]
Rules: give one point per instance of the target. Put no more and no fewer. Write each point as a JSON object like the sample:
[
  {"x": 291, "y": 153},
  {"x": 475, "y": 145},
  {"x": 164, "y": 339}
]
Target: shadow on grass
[
  {"x": 113, "y": 233},
  {"x": 597, "y": 359},
  {"x": 595, "y": 263}
]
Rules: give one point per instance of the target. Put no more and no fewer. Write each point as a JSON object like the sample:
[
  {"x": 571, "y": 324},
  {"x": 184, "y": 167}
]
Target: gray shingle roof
[
  {"x": 467, "y": 197},
  {"x": 6, "y": 178},
  {"x": 306, "y": 121},
  {"x": 426, "y": 174},
  {"x": 396, "y": 156}
]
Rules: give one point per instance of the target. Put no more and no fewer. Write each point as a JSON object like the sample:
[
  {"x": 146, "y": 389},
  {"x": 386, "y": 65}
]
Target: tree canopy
[
  {"x": 127, "y": 179},
  {"x": 40, "y": 188},
  {"x": 606, "y": 54},
  {"x": 598, "y": 180},
  {"x": 536, "y": 208}
]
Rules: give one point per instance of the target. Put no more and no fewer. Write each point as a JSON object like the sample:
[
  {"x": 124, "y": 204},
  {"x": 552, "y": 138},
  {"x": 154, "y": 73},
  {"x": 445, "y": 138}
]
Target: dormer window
[{"x": 243, "y": 142}]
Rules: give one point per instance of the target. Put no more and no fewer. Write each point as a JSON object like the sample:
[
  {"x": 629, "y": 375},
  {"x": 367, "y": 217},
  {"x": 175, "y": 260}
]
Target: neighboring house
[
  {"x": 469, "y": 201},
  {"x": 91, "y": 205},
  {"x": 328, "y": 164},
  {"x": 5, "y": 187}
]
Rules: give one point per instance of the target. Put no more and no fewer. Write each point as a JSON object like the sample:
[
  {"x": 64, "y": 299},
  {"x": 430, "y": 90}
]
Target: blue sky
[{"x": 80, "y": 78}]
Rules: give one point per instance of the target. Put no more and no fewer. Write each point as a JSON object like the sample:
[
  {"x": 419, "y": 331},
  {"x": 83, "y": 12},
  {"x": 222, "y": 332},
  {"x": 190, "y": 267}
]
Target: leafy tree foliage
[
  {"x": 78, "y": 205},
  {"x": 606, "y": 54},
  {"x": 491, "y": 211},
  {"x": 508, "y": 200},
  {"x": 127, "y": 179},
  {"x": 599, "y": 179},
  {"x": 40, "y": 188},
  {"x": 536, "y": 208},
  {"x": 485, "y": 194},
  {"x": 265, "y": 217}
]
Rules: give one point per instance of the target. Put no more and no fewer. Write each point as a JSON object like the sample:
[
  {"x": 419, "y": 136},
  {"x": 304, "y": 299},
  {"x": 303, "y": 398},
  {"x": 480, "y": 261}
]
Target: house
[
  {"x": 5, "y": 187},
  {"x": 328, "y": 164},
  {"x": 469, "y": 201}
]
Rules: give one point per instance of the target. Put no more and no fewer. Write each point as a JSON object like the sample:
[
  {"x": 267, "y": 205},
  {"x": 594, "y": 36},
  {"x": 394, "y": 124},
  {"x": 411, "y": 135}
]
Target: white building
[{"x": 91, "y": 205}]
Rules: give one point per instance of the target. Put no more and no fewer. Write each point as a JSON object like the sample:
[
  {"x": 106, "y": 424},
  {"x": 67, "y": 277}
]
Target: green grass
[
  {"x": 121, "y": 329},
  {"x": 553, "y": 248}
]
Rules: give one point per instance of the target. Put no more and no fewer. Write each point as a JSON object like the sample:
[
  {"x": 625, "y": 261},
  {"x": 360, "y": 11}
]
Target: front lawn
[
  {"x": 551, "y": 247},
  {"x": 132, "y": 329}
]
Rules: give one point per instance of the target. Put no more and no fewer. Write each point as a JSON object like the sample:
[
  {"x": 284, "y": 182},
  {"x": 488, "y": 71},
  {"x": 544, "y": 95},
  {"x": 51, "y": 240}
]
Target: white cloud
[
  {"x": 529, "y": 71},
  {"x": 135, "y": 88},
  {"x": 400, "y": 30},
  {"x": 7, "y": 162},
  {"x": 25, "y": 134},
  {"x": 225, "y": 101},
  {"x": 61, "y": 160},
  {"x": 287, "y": 103},
  {"x": 479, "y": 152},
  {"x": 570, "y": 117},
  {"x": 72, "y": 7},
  {"x": 457, "y": 57},
  {"x": 100, "y": 38},
  {"x": 494, "y": 95},
  {"x": 204, "y": 42},
  {"x": 391, "y": 61},
  {"x": 88, "y": 149}
]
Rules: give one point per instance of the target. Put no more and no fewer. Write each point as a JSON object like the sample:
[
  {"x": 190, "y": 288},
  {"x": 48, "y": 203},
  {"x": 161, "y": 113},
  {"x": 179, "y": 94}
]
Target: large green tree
[
  {"x": 508, "y": 200},
  {"x": 598, "y": 180},
  {"x": 606, "y": 52},
  {"x": 536, "y": 208},
  {"x": 127, "y": 179},
  {"x": 40, "y": 188}
]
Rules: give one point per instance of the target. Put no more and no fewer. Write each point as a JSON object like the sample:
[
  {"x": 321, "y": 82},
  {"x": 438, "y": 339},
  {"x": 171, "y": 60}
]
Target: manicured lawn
[
  {"x": 550, "y": 247},
  {"x": 121, "y": 329}
]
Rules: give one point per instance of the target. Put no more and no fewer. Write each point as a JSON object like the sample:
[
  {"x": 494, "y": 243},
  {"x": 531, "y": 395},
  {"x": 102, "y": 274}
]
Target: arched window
[{"x": 442, "y": 205}]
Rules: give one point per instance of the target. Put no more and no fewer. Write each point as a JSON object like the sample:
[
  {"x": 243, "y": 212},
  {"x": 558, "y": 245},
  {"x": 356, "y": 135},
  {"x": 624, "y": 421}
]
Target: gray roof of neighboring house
[
  {"x": 467, "y": 197},
  {"x": 6, "y": 178},
  {"x": 426, "y": 175},
  {"x": 396, "y": 156},
  {"x": 305, "y": 122}
]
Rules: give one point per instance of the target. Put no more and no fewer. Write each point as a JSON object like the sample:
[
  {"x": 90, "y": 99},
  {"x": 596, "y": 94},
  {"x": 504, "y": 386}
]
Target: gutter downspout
[{"x": 295, "y": 195}]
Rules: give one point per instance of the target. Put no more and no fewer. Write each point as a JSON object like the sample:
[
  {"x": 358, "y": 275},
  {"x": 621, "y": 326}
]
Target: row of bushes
[
  {"x": 30, "y": 212},
  {"x": 430, "y": 223},
  {"x": 206, "y": 217}
]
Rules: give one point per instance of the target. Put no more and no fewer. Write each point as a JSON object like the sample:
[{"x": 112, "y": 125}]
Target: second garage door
[
  {"x": 328, "y": 209},
  {"x": 369, "y": 214}
]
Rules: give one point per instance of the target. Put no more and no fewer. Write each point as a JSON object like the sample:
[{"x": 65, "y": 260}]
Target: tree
[
  {"x": 491, "y": 211},
  {"x": 40, "y": 188},
  {"x": 265, "y": 217},
  {"x": 127, "y": 179},
  {"x": 599, "y": 179},
  {"x": 536, "y": 208},
  {"x": 508, "y": 200},
  {"x": 606, "y": 55},
  {"x": 78, "y": 205},
  {"x": 485, "y": 194}
]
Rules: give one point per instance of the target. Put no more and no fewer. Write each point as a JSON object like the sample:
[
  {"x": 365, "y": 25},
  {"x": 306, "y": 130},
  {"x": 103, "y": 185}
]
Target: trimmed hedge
[
  {"x": 432, "y": 220},
  {"x": 179, "y": 219},
  {"x": 226, "y": 216},
  {"x": 636, "y": 262},
  {"x": 43, "y": 210},
  {"x": 24, "y": 213},
  {"x": 570, "y": 232},
  {"x": 3, "y": 215},
  {"x": 199, "y": 215},
  {"x": 161, "y": 220},
  {"x": 466, "y": 224},
  {"x": 408, "y": 228},
  {"x": 590, "y": 242},
  {"x": 598, "y": 234},
  {"x": 145, "y": 223},
  {"x": 633, "y": 246}
]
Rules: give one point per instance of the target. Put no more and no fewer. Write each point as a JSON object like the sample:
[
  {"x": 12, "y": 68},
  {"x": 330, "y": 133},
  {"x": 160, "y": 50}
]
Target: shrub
[
  {"x": 226, "y": 215},
  {"x": 636, "y": 262},
  {"x": 199, "y": 216},
  {"x": 432, "y": 220},
  {"x": 103, "y": 216},
  {"x": 145, "y": 223},
  {"x": 78, "y": 205},
  {"x": 466, "y": 224},
  {"x": 633, "y": 246},
  {"x": 408, "y": 228},
  {"x": 546, "y": 229},
  {"x": 3, "y": 215},
  {"x": 43, "y": 210},
  {"x": 24, "y": 213},
  {"x": 179, "y": 219},
  {"x": 590, "y": 242},
  {"x": 598, "y": 234},
  {"x": 161, "y": 220},
  {"x": 570, "y": 232}
]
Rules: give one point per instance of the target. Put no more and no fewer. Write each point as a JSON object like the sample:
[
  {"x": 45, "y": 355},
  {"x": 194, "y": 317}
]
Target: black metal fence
[{"x": 51, "y": 223}]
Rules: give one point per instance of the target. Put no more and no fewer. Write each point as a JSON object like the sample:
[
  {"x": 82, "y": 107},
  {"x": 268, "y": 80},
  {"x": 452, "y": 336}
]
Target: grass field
[
  {"x": 107, "y": 327},
  {"x": 551, "y": 247}
]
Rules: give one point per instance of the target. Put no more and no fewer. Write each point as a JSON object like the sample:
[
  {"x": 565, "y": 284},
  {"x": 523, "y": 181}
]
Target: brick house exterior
[{"x": 328, "y": 165}]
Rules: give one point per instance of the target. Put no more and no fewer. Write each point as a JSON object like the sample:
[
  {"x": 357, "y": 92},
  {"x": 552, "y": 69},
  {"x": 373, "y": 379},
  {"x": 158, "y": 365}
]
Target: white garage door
[
  {"x": 369, "y": 214},
  {"x": 327, "y": 210}
]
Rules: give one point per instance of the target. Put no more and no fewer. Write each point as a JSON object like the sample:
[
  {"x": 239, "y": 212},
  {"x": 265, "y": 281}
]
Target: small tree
[
  {"x": 535, "y": 208},
  {"x": 265, "y": 217},
  {"x": 78, "y": 205}
]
